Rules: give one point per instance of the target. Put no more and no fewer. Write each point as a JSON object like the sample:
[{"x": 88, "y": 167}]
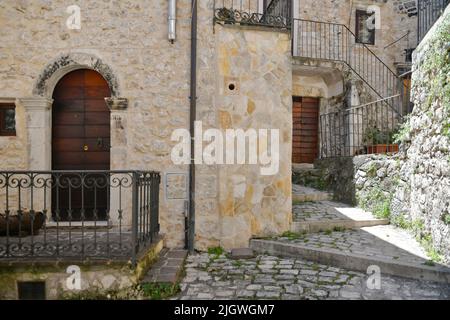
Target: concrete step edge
[
  {"x": 351, "y": 261},
  {"x": 324, "y": 225},
  {"x": 316, "y": 197}
]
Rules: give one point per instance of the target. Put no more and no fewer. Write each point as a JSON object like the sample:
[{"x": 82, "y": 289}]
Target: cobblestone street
[{"x": 267, "y": 277}]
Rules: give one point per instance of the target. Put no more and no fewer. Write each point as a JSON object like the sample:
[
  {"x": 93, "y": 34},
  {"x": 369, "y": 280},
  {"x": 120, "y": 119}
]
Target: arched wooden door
[{"x": 80, "y": 141}]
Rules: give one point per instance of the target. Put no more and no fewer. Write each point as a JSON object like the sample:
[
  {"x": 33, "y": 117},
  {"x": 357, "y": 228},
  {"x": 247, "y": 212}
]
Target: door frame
[{"x": 38, "y": 114}]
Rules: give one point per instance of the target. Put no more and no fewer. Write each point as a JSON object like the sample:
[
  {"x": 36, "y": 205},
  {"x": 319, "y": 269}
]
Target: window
[
  {"x": 7, "y": 119},
  {"x": 31, "y": 290},
  {"x": 363, "y": 33}
]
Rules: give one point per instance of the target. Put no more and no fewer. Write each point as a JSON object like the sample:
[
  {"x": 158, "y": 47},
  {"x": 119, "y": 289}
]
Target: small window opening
[
  {"x": 7, "y": 119},
  {"x": 31, "y": 290}
]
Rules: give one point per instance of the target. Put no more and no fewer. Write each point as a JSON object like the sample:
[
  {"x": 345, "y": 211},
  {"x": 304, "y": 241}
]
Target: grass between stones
[
  {"x": 159, "y": 291},
  {"x": 417, "y": 228}
]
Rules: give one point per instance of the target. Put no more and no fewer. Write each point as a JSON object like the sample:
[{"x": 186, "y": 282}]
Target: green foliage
[
  {"x": 446, "y": 130},
  {"x": 237, "y": 263},
  {"x": 130, "y": 293},
  {"x": 372, "y": 136},
  {"x": 298, "y": 202},
  {"x": 417, "y": 227},
  {"x": 446, "y": 218},
  {"x": 216, "y": 251},
  {"x": 402, "y": 133},
  {"x": 377, "y": 202},
  {"x": 293, "y": 235},
  {"x": 159, "y": 291},
  {"x": 313, "y": 181},
  {"x": 427, "y": 243},
  {"x": 436, "y": 68},
  {"x": 372, "y": 171}
]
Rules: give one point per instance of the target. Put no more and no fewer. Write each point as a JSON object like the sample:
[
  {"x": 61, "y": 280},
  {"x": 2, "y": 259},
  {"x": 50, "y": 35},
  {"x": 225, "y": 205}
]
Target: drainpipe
[
  {"x": 193, "y": 111},
  {"x": 172, "y": 21}
]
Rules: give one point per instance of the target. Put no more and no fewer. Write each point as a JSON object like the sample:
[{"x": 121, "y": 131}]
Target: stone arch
[{"x": 66, "y": 63}]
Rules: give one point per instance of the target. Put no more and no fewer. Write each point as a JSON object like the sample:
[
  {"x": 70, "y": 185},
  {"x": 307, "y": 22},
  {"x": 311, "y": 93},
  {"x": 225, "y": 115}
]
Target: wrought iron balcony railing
[
  {"x": 429, "y": 12},
  {"x": 269, "y": 13},
  {"x": 365, "y": 129},
  {"x": 77, "y": 215}
]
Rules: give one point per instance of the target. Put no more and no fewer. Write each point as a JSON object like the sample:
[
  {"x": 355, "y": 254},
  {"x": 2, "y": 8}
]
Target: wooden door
[
  {"x": 81, "y": 141},
  {"x": 305, "y": 144}
]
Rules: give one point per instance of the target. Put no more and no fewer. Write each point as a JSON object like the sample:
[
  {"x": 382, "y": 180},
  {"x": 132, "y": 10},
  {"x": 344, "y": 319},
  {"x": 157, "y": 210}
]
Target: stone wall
[
  {"x": 258, "y": 64},
  {"x": 427, "y": 161},
  {"x": 126, "y": 42},
  {"x": 415, "y": 182},
  {"x": 97, "y": 280},
  {"x": 355, "y": 179}
]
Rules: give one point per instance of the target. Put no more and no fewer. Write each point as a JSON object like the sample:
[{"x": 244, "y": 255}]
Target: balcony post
[{"x": 134, "y": 219}]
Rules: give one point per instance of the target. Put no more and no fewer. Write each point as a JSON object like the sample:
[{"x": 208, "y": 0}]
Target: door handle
[{"x": 85, "y": 147}]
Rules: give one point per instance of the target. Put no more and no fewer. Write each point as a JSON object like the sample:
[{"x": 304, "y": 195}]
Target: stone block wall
[
  {"x": 427, "y": 161},
  {"x": 126, "y": 42},
  {"x": 258, "y": 64},
  {"x": 416, "y": 181}
]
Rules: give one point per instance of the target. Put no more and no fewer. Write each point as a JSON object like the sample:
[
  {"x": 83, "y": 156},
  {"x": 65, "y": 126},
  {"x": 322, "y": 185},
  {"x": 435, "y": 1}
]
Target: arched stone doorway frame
[
  {"x": 38, "y": 106},
  {"x": 38, "y": 109}
]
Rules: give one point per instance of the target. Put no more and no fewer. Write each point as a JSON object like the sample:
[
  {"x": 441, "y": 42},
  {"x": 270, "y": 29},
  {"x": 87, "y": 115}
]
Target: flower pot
[
  {"x": 382, "y": 148},
  {"x": 25, "y": 224}
]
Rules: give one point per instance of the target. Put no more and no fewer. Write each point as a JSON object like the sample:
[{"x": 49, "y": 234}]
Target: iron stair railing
[
  {"x": 429, "y": 12},
  {"x": 336, "y": 42}
]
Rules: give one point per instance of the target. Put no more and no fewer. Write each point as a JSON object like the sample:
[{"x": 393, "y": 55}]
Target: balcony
[
  {"x": 77, "y": 215},
  {"x": 274, "y": 13}
]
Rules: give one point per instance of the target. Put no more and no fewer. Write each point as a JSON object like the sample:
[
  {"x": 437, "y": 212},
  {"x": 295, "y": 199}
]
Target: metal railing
[
  {"x": 77, "y": 215},
  {"x": 336, "y": 42},
  {"x": 429, "y": 12},
  {"x": 365, "y": 129},
  {"x": 269, "y": 13}
]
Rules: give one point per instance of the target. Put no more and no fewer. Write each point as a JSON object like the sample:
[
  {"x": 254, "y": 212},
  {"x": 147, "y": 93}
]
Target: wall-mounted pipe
[
  {"x": 193, "y": 117},
  {"x": 172, "y": 20}
]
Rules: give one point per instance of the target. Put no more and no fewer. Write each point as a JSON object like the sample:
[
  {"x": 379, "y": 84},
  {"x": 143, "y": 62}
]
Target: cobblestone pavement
[
  {"x": 327, "y": 210},
  {"x": 267, "y": 277},
  {"x": 385, "y": 242}
]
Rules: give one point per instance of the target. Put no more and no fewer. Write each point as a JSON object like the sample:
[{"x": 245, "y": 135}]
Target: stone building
[{"x": 108, "y": 93}]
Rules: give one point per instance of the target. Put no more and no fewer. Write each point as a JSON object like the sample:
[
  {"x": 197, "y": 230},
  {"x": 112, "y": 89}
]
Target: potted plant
[
  {"x": 28, "y": 225},
  {"x": 378, "y": 141}
]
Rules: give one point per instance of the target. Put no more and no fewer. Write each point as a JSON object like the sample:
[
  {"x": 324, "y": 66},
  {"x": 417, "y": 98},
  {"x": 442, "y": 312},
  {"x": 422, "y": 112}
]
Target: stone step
[
  {"x": 329, "y": 215},
  {"x": 393, "y": 250},
  {"x": 309, "y": 177},
  {"x": 306, "y": 194},
  {"x": 168, "y": 267}
]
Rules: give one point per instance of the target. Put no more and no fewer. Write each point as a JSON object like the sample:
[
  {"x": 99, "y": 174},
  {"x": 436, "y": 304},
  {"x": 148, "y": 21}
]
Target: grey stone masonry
[
  {"x": 268, "y": 277},
  {"x": 394, "y": 250}
]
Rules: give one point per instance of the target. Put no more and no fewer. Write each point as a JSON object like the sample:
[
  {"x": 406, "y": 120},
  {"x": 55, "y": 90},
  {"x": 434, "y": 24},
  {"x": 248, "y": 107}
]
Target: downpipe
[{"x": 193, "y": 116}]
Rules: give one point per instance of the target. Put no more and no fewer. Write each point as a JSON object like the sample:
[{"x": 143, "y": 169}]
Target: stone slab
[
  {"x": 242, "y": 253},
  {"x": 168, "y": 268}
]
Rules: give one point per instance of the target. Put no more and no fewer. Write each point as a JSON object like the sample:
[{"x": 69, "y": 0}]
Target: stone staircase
[
  {"x": 333, "y": 233},
  {"x": 314, "y": 211}
]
